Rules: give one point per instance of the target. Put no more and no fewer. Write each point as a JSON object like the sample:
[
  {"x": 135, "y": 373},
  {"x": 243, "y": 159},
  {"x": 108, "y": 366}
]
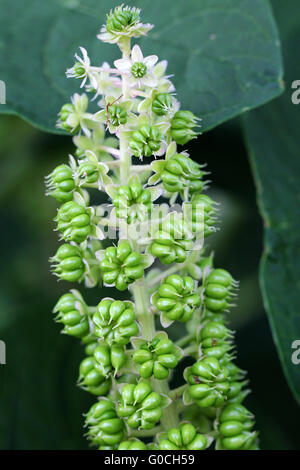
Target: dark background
[{"x": 41, "y": 407}]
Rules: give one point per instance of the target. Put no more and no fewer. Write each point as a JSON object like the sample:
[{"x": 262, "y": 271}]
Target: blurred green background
[{"x": 40, "y": 405}]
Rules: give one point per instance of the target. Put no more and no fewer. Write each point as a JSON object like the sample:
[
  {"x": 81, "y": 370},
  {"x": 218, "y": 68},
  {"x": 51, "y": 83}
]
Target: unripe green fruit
[
  {"x": 117, "y": 115},
  {"x": 109, "y": 358},
  {"x": 156, "y": 357},
  {"x": 140, "y": 406},
  {"x": 181, "y": 172},
  {"x": 91, "y": 342},
  {"x": 162, "y": 104},
  {"x": 132, "y": 444},
  {"x": 105, "y": 428},
  {"x": 172, "y": 242},
  {"x": 208, "y": 382},
  {"x": 66, "y": 110},
  {"x": 215, "y": 340},
  {"x": 60, "y": 184},
  {"x": 68, "y": 264},
  {"x": 235, "y": 425},
  {"x": 91, "y": 379},
  {"x": 88, "y": 172},
  {"x": 72, "y": 313},
  {"x": 202, "y": 214},
  {"x": 218, "y": 289},
  {"x": 145, "y": 142},
  {"x": 121, "y": 19},
  {"x": 121, "y": 265},
  {"x": 176, "y": 298},
  {"x": 182, "y": 126},
  {"x": 185, "y": 437},
  {"x": 114, "y": 321},
  {"x": 132, "y": 202},
  {"x": 74, "y": 222}
]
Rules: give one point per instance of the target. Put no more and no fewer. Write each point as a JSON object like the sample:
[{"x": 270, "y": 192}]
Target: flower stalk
[{"x": 150, "y": 250}]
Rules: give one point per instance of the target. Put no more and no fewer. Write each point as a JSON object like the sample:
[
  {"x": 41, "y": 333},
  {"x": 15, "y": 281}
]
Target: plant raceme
[{"x": 130, "y": 353}]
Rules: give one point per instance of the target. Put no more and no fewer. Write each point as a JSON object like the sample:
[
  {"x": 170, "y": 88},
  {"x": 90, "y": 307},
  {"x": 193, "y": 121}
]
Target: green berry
[
  {"x": 157, "y": 357},
  {"x": 117, "y": 115},
  {"x": 132, "y": 202},
  {"x": 145, "y": 142},
  {"x": 88, "y": 173},
  {"x": 68, "y": 263},
  {"x": 141, "y": 407},
  {"x": 208, "y": 382},
  {"x": 218, "y": 289},
  {"x": 60, "y": 183},
  {"x": 91, "y": 379},
  {"x": 181, "y": 172},
  {"x": 176, "y": 298},
  {"x": 132, "y": 444},
  {"x": 74, "y": 222},
  {"x": 109, "y": 359},
  {"x": 235, "y": 425},
  {"x": 72, "y": 313},
  {"x": 182, "y": 127},
  {"x": 185, "y": 437},
  {"x": 114, "y": 321},
  {"x": 172, "y": 242},
  {"x": 122, "y": 18},
  {"x": 105, "y": 427},
  {"x": 162, "y": 104},
  {"x": 201, "y": 214},
  {"x": 121, "y": 265}
]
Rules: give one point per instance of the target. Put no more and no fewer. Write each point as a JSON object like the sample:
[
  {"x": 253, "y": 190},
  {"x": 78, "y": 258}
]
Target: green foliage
[{"x": 273, "y": 143}]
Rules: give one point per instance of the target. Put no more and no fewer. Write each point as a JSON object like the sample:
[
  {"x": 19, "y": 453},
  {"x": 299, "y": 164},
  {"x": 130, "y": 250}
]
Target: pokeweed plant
[{"x": 130, "y": 356}]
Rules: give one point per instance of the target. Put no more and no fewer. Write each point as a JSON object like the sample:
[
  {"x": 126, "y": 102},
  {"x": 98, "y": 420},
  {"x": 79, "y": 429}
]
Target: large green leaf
[
  {"x": 225, "y": 53},
  {"x": 274, "y": 145}
]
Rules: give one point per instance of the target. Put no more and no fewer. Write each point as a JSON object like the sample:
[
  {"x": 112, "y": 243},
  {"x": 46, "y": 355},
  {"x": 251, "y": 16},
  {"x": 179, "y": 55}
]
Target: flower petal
[
  {"x": 151, "y": 60},
  {"x": 150, "y": 80},
  {"x": 124, "y": 65},
  {"x": 136, "y": 54}
]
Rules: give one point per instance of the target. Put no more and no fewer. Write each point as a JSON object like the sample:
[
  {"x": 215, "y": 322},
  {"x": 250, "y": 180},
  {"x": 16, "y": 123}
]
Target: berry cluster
[{"x": 130, "y": 356}]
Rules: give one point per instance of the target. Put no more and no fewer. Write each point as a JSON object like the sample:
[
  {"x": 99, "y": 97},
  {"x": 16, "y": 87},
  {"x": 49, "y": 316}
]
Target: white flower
[
  {"x": 123, "y": 22},
  {"x": 164, "y": 85},
  {"x": 73, "y": 116},
  {"x": 105, "y": 83},
  {"x": 82, "y": 69},
  {"x": 139, "y": 69}
]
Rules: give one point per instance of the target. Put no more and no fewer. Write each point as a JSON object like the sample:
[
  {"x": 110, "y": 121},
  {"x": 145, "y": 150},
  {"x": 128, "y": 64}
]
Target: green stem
[
  {"x": 190, "y": 350},
  {"x": 165, "y": 273},
  {"x": 177, "y": 392},
  {"x": 142, "y": 308},
  {"x": 184, "y": 340},
  {"x": 145, "y": 432},
  {"x": 169, "y": 417},
  {"x": 125, "y": 157}
]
